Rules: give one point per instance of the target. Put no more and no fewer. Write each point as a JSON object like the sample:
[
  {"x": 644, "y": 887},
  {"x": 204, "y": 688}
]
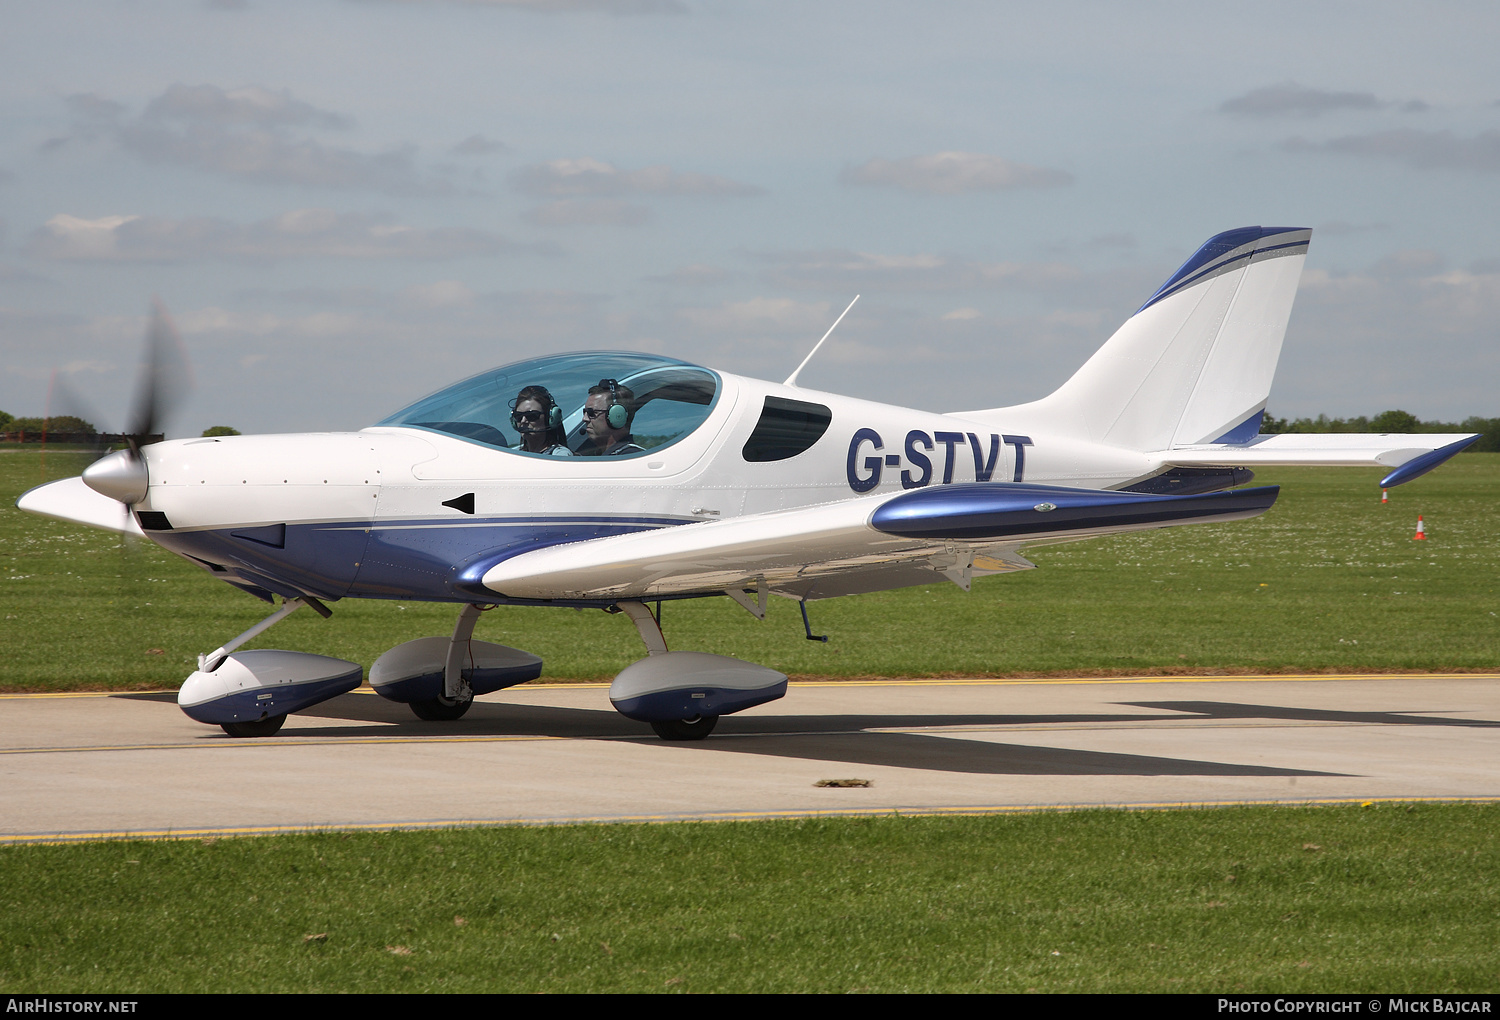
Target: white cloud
[
  {"x": 67, "y": 236},
  {"x": 953, "y": 173},
  {"x": 301, "y": 233},
  {"x": 586, "y": 176},
  {"x": 961, "y": 315}
]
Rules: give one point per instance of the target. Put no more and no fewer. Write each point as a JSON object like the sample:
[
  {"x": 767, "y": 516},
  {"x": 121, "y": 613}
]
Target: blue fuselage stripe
[{"x": 432, "y": 559}]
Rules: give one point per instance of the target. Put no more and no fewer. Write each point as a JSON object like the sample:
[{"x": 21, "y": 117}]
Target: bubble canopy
[{"x": 664, "y": 399}]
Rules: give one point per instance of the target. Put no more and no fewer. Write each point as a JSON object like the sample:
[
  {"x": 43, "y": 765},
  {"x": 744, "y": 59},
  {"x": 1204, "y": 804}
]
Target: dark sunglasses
[{"x": 529, "y": 415}]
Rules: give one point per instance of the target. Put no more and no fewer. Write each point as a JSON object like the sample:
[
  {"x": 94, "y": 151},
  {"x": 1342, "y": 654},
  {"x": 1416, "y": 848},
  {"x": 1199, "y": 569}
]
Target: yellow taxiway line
[
  {"x": 230, "y": 832},
  {"x": 290, "y": 741}
]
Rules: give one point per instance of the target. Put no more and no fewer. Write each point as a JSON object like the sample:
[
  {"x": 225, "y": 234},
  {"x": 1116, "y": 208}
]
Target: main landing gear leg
[
  {"x": 646, "y": 623},
  {"x": 457, "y": 695},
  {"x": 699, "y": 726},
  {"x": 268, "y": 726},
  {"x": 215, "y": 658}
]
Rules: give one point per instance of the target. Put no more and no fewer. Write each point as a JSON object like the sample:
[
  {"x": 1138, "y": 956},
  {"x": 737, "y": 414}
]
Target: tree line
[
  {"x": 71, "y": 424},
  {"x": 57, "y": 423},
  {"x": 1389, "y": 421}
]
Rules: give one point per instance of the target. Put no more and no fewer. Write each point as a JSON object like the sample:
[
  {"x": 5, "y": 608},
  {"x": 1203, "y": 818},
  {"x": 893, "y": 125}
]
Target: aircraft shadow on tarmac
[
  {"x": 848, "y": 739},
  {"x": 1230, "y": 710}
]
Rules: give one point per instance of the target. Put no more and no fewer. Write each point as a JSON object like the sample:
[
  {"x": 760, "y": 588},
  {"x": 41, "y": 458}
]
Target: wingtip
[{"x": 1419, "y": 466}]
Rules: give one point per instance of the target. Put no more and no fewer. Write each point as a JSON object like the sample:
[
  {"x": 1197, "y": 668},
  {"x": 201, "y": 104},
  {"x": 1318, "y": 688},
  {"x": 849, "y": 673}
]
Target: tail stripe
[
  {"x": 1227, "y": 251},
  {"x": 1245, "y": 430}
]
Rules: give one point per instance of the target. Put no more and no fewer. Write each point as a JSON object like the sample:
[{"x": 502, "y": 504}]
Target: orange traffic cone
[
  {"x": 1384, "y": 496},
  {"x": 1421, "y": 531}
]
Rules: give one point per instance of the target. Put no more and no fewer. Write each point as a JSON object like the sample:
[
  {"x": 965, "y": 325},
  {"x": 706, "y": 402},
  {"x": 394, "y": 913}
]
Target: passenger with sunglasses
[{"x": 538, "y": 420}]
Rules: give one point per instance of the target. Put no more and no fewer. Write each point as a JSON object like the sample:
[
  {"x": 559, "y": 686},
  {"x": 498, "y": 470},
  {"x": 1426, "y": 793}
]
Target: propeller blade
[
  {"x": 163, "y": 381},
  {"x": 70, "y": 415}
]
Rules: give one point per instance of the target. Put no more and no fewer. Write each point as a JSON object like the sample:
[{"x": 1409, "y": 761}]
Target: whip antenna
[{"x": 791, "y": 380}]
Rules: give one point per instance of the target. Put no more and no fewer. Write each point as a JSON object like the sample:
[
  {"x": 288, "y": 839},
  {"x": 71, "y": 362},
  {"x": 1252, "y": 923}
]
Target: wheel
[
  {"x": 696, "y": 728},
  {"x": 441, "y": 709},
  {"x": 266, "y": 727}
]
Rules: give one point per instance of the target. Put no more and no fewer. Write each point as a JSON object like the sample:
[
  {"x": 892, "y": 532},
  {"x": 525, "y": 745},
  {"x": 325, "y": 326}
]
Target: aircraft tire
[
  {"x": 440, "y": 709},
  {"x": 696, "y": 728},
  {"x": 266, "y": 727}
]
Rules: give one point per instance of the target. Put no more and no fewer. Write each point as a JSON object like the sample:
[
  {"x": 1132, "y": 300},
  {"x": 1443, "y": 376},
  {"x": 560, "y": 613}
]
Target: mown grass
[
  {"x": 1386, "y": 898},
  {"x": 1330, "y": 579}
]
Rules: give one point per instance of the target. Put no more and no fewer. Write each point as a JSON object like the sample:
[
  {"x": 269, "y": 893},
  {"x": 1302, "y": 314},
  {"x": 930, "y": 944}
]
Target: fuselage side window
[{"x": 786, "y": 428}]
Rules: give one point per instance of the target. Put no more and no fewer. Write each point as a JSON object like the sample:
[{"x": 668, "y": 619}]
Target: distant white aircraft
[{"x": 613, "y": 480}]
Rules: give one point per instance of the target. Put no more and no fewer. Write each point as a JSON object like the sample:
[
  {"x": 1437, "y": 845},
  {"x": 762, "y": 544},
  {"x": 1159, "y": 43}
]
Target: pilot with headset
[
  {"x": 538, "y": 420},
  {"x": 607, "y": 415}
]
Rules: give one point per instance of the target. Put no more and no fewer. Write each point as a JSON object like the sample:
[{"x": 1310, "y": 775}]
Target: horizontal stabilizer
[
  {"x": 69, "y": 499},
  {"x": 1411, "y": 455}
]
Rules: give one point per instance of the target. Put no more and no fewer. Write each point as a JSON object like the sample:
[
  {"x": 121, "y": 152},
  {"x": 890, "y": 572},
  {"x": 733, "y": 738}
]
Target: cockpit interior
[{"x": 594, "y": 404}]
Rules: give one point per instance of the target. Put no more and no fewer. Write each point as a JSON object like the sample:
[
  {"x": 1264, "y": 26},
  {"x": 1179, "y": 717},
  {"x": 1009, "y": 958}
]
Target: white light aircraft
[{"x": 613, "y": 480}]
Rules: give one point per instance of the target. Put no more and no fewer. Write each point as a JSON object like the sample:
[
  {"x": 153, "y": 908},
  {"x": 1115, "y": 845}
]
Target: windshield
[{"x": 603, "y": 403}]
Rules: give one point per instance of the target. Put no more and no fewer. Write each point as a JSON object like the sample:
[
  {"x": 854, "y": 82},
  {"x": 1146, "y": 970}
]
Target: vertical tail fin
[{"x": 1194, "y": 364}]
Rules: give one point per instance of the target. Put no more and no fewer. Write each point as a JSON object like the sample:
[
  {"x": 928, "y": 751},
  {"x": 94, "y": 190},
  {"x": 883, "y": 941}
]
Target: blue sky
[{"x": 348, "y": 203}]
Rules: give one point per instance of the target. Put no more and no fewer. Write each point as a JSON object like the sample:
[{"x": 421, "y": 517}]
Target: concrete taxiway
[{"x": 92, "y": 766}]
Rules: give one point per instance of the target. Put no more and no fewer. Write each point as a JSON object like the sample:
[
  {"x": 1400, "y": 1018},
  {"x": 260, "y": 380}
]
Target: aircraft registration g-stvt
[{"x": 612, "y": 480}]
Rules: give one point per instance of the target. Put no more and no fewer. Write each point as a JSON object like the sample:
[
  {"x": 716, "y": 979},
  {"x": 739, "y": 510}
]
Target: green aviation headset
[{"x": 618, "y": 414}]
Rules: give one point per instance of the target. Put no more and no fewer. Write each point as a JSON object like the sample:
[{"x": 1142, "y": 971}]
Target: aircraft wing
[
  {"x": 1411, "y": 455},
  {"x": 871, "y": 543}
]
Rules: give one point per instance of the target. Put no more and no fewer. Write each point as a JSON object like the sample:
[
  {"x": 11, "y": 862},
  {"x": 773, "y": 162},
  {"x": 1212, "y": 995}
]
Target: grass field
[
  {"x": 1381, "y": 899},
  {"x": 1385, "y": 898},
  {"x": 1330, "y": 579}
]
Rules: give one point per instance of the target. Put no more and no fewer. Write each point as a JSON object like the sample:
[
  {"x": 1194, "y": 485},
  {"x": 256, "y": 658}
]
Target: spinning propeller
[{"x": 162, "y": 382}]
